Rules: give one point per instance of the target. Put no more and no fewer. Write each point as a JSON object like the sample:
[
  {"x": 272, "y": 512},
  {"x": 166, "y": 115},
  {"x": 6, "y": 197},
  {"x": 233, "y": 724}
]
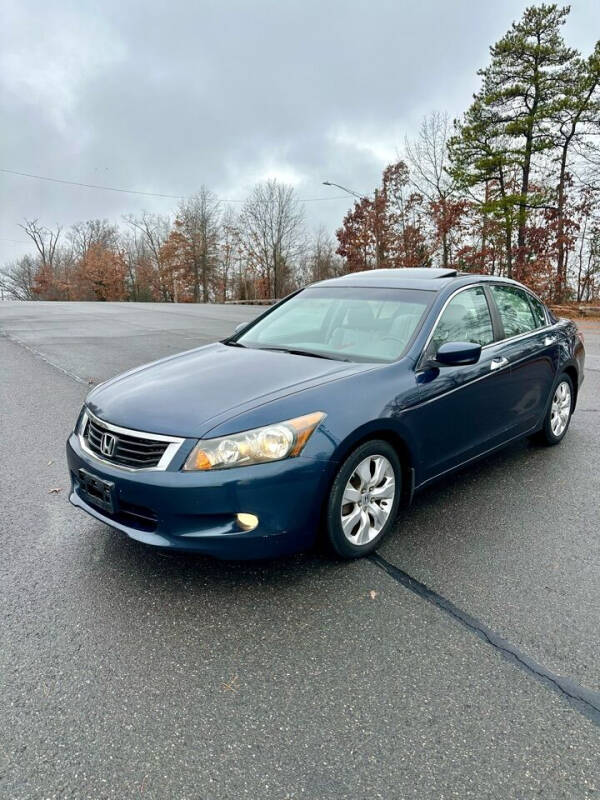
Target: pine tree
[
  {"x": 510, "y": 121},
  {"x": 577, "y": 119}
]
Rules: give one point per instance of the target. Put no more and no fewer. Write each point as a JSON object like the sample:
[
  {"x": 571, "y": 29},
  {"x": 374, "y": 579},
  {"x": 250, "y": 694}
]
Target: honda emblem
[{"x": 108, "y": 444}]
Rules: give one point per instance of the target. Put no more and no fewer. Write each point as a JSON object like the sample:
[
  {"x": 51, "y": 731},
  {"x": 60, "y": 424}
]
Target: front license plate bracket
[{"x": 97, "y": 491}]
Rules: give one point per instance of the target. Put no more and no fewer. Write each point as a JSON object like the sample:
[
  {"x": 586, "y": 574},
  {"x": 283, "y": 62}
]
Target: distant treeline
[{"x": 511, "y": 188}]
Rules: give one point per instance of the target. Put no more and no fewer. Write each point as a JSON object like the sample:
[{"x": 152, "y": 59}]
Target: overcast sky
[{"x": 167, "y": 96}]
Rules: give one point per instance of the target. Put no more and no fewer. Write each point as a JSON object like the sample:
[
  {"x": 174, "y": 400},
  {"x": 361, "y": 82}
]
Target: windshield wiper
[
  {"x": 304, "y": 353},
  {"x": 230, "y": 343}
]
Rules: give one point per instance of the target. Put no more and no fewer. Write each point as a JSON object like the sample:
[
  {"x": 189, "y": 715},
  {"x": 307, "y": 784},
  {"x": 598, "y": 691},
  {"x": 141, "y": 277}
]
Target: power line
[
  {"x": 135, "y": 191},
  {"x": 89, "y": 185}
]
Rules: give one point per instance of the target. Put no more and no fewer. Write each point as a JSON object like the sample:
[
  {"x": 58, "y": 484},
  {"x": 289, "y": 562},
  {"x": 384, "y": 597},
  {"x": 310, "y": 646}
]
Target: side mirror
[
  {"x": 458, "y": 354},
  {"x": 239, "y": 327}
]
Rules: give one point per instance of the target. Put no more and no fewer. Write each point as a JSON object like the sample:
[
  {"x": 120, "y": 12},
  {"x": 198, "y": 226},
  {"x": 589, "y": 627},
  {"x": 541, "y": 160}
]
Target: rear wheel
[
  {"x": 364, "y": 499},
  {"x": 558, "y": 416}
]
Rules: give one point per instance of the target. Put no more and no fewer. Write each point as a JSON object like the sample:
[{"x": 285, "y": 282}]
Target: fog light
[{"x": 247, "y": 521}]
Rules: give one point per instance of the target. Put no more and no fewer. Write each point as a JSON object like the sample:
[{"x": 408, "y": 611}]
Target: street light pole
[{"x": 344, "y": 189}]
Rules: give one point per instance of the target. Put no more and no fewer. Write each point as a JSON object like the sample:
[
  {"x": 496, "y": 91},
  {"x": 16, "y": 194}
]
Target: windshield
[{"x": 345, "y": 323}]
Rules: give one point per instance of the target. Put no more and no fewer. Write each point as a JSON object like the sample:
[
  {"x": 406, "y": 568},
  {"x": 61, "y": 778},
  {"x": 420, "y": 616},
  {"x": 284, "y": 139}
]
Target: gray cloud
[{"x": 167, "y": 96}]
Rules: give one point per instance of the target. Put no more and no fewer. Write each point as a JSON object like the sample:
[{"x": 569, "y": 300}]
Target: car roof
[{"x": 423, "y": 278}]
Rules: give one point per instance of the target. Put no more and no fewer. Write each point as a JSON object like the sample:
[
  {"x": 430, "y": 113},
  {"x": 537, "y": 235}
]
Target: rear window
[
  {"x": 515, "y": 310},
  {"x": 539, "y": 311}
]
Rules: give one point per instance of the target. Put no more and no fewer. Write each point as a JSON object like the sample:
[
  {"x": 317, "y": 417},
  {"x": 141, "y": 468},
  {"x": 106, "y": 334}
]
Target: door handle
[
  {"x": 498, "y": 363},
  {"x": 549, "y": 340}
]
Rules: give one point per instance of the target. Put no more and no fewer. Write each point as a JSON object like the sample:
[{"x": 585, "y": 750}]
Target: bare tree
[
  {"x": 154, "y": 229},
  {"x": 323, "y": 262},
  {"x": 272, "y": 229},
  {"x": 18, "y": 279},
  {"x": 84, "y": 235},
  {"x": 44, "y": 239},
  {"x": 197, "y": 226},
  {"x": 141, "y": 277},
  {"x": 428, "y": 157},
  {"x": 229, "y": 250}
]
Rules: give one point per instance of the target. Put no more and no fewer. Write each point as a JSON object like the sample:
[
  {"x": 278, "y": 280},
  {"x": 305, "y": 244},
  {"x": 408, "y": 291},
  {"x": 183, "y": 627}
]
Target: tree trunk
[
  {"x": 508, "y": 228},
  {"x": 522, "y": 219},
  {"x": 561, "y": 277},
  {"x": 445, "y": 254}
]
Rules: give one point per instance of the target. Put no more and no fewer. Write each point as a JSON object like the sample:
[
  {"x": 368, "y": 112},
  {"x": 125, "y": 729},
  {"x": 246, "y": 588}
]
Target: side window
[
  {"x": 515, "y": 311},
  {"x": 466, "y": 318},
  {"x": 539, "y": 312}
]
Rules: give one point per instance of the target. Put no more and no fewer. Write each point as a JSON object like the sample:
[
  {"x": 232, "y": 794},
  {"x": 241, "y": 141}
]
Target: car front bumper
[{"x": 196, "y": 511}]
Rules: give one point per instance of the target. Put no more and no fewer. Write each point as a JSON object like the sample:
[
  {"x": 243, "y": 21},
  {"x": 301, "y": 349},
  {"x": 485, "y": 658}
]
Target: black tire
[
  {"x": 546, "y": 435},
  {"x": 338, "y": 541}
]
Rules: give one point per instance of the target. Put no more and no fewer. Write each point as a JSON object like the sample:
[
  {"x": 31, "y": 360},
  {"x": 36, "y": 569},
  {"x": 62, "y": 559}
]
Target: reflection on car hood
[{"x": 184, "y": 395}]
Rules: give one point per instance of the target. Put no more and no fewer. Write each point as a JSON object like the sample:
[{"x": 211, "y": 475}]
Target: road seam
[
  {"x": 585, "y": 701},
  {"x": 44, "y": 358}
]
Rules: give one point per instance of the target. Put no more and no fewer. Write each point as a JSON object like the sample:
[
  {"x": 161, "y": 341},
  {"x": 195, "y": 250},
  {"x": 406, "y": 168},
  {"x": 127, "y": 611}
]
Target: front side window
[
  {"x": 515, "y": 311},
  {"x": 349, "y": 323},
  {"x": 466, "y": 318}
]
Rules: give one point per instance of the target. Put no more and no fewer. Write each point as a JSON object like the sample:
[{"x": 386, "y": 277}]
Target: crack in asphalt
[{"x": 585, "y": 701}]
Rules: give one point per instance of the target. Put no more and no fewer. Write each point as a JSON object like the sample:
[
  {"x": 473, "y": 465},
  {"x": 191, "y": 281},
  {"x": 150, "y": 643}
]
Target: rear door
[{"x": 530, "y": 345}]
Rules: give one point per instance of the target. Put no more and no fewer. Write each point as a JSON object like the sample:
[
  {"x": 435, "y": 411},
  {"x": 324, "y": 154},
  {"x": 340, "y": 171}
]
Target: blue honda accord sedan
[{"x": 321, "y": 417}]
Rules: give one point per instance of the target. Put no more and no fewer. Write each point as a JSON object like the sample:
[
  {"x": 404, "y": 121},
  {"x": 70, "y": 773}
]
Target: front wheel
[
  {"x": 363, "y": 502},
  {"x": 559, "y": 413}
]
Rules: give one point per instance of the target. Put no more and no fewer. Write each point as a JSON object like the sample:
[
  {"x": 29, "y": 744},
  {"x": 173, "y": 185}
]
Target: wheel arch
[
  {"x": 573, "y": 373},
  {"x": 400, "y": 443}
]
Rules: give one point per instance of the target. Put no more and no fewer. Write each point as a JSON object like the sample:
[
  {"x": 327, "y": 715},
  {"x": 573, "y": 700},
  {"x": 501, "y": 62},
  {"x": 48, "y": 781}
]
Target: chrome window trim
[
  {"x": 443, "y": 308},
  {"x": 541, "y": 302},
  {"x": 549, "y": 324},
  {"x": 174, "y": 443},
  {"x": 519, "y": 336},
  {"x": 526, "y": 291}
]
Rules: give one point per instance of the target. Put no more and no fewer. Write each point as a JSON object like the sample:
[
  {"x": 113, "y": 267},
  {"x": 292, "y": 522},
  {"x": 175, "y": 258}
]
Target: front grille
[{"x": 128, "y": 450}]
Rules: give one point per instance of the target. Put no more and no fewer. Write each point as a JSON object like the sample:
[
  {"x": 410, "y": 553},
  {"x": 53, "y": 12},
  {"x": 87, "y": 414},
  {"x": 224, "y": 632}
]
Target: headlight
[
  {"x": 271, "y": 443},
  {"x": 81, "y": 421}
]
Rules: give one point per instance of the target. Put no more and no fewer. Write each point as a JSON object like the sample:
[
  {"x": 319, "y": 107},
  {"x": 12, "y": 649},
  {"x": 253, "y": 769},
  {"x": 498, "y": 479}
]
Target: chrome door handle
[
  {"x": 498, "y": 363},
  {"x": 549, "y": 340}
]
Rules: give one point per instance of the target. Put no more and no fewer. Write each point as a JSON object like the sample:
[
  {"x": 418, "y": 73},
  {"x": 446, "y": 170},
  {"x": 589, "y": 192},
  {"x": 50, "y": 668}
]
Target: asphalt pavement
[{"x": 461, "y": 662}]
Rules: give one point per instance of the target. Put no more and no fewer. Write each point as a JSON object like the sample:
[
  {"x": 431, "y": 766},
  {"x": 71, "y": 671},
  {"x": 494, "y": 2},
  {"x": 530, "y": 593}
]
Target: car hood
[{"x": 188, "y": 394}]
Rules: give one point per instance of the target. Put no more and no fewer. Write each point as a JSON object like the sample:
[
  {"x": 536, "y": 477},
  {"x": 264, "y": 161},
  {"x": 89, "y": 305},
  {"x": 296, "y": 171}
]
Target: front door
[{"x": 461, "y": 410}]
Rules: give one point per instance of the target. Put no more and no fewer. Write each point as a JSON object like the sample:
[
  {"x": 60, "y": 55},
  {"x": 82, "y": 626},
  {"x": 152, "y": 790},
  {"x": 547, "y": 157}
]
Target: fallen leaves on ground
[{"x": 232, "y": 685}]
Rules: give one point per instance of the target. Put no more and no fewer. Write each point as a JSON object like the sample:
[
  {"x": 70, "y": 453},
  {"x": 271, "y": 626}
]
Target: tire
[
  {"x": 364, "y": 499},
  {"x": 558, "y": 415}
]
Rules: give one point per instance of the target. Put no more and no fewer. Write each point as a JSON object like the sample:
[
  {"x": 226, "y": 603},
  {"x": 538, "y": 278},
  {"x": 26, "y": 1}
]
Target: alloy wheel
[
  {"x": 560, "y": 409},
  {"x": 368, "y": 499}
]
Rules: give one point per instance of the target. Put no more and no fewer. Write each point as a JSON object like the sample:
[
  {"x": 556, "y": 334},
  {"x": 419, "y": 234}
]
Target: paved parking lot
[{"x": 126, "y": 672}]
